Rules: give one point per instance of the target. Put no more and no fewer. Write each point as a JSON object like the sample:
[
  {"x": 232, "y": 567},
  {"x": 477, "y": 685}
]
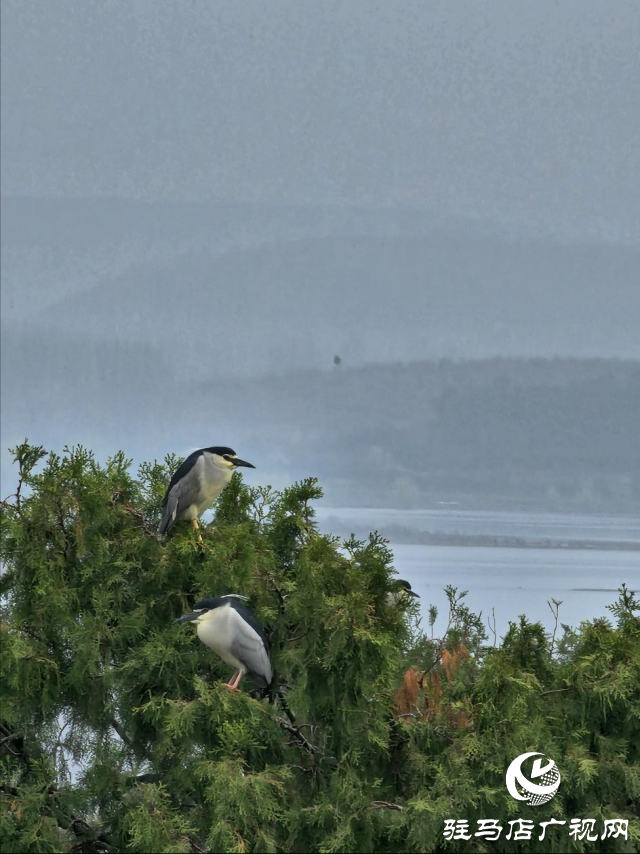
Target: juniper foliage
[{"x": 117, "y": 734}]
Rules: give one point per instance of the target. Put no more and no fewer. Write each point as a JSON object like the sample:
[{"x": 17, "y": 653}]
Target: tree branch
[
  {"x": 149, "y": 777},
  {"x": 120, "y": 731},
  {"x": 87, "y": 835},
  {"x": 555, "y": 610},
  {"x": 439, "y": 731},
  {"x": 285, "y": 706},
  {"x": 8, "y": 737},
  {"x": 558, "y": 690},
  {"x": 492, "y": 628},
  {"x": 83, "y": 831},
  {"x": 302, "y": 740},
  {"x": 140, "y": 518},
  {"x": 385, "y": 805}
]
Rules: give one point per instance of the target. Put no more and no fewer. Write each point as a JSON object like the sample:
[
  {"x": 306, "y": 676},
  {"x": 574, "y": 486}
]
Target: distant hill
[
  {"x": 250, "y": 289},
  {"x": 550, "y": 433},
  {"x": 163, "y": 326},
  {"x": 538, "y": 433},
  {"x": 295, "y": 303},
  {"x": 54, "y": 247}
]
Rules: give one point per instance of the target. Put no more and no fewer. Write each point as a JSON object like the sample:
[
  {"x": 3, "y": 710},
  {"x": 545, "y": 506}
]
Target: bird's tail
[
  {"x": 272, "y": 691},
  {"x": 168, "y": 516}
]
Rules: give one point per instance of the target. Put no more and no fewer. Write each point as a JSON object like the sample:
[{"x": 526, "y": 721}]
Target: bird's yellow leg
[{"x": 196, "y": 527}]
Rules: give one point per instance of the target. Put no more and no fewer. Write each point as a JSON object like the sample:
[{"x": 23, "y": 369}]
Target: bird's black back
[{"x": 189, "y": 463}]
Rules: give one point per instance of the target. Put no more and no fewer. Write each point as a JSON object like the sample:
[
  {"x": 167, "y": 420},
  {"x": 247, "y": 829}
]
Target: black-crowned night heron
[
  {"x": 196, "y": 485},
  {"x": 227, "y": 627},
  {"x": 401, "y": 593}
]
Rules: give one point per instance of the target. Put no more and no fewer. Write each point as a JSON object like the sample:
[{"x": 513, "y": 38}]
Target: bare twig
[
  {"x": 439, "y": 731},
  {"x": 120, "y": 731},
  {"x": 298, "y": 637},
  {"x": 385, "y": 805},
  {"x": 559, "y": 690},
  {"x": 140, "y": 518},
  {"x": 18, "y": 738},
  {"x": 295, "y": 731},
  {"x": 63, "y": 529},
  {"x": 442, "y": 645},
  {"x": 149, "y": 777},
  {"x": 19, "y": 489},
  {"x": 269, "y": 577},
  {"x": 59, "y": 743},
  {"x": 555, "y": 608},
  {"x": 286, "y": 709},
  {"x": 492, "y": 628}
]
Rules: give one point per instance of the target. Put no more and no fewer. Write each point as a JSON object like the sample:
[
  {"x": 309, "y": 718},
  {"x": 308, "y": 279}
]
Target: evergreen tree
[{"x": 117, "y": 734}]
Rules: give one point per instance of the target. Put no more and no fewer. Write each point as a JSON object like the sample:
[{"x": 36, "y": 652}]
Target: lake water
[
  {"x": 512, "y": 581},
  {"x": 543, "y": 526}
]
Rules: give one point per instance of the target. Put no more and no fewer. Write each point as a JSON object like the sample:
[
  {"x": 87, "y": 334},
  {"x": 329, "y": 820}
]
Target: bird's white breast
[
  {"x": 213, "y": 480},
  {"x": 217, "y": 632}
]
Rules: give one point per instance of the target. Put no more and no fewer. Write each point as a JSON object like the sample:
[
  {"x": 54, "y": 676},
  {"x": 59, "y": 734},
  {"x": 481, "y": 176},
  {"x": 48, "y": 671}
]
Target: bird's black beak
[
  {"x": 405, "y": 587},
  {"x": 238, "y": 462},
  {"x": 188, "y": 618}
]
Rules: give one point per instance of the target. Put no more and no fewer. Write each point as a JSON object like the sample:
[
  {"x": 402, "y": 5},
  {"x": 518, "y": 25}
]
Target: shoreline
[{"x": 406, "y": 536}]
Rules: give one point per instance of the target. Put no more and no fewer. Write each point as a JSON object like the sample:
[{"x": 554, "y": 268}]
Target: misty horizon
[{"x": 201, "y": 210}]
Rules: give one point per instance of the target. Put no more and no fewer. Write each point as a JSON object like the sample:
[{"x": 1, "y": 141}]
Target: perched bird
[
  {"x": 228, "y": 628},
  {"x": 399, "y": 595},
  {"x": 196, "y": 485}
]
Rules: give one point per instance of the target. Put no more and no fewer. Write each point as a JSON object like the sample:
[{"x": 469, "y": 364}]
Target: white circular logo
[{"x": 521, "y": 788}]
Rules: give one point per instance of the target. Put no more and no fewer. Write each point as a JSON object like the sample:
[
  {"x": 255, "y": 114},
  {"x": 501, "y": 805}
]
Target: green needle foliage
[{"x": 118, "y": 735}]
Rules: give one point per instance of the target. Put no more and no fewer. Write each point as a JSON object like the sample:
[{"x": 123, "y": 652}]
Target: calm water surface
[{"x": 512, "y": 581}]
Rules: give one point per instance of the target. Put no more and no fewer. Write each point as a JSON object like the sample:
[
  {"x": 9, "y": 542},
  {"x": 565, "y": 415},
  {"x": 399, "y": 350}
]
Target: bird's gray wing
[
  {"x": 249, "y": 648},
  {"x": 169, "y": 512},
  {"x": 183, "y": 491}
]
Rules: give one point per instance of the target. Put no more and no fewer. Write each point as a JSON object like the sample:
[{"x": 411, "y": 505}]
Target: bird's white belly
[
  {"x": 211, "y": 485},
  {"x": 217, "y": 633},
  {"x": 208, "y": 496},
  {"x": 203, "y": 501}
]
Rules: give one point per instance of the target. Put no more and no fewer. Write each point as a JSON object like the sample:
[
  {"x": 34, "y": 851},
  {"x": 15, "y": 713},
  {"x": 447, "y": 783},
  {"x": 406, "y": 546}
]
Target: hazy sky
[
  {"x": 502, "y": 110},
  {"x": 415, "y": 180}
]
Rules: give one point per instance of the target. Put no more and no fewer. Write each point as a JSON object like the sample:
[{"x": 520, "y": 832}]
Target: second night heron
[
  {"x": 196, "y": 485},
  {"x": 228, "y": 628},
  {"x": 401, "y": 593}
]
